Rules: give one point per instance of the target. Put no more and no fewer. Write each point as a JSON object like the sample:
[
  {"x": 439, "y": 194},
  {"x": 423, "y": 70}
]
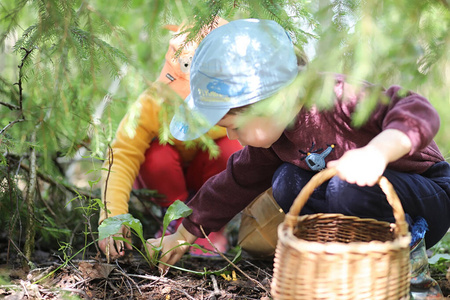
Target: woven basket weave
[{"x": 332, "y": 256}]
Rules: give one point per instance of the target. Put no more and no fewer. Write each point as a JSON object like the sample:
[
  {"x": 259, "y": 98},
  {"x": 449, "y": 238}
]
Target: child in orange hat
[{"x": 140, "y": 161}]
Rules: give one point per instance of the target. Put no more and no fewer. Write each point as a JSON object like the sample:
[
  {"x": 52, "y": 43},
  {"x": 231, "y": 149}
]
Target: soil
[{"x": 132, "y": 278}]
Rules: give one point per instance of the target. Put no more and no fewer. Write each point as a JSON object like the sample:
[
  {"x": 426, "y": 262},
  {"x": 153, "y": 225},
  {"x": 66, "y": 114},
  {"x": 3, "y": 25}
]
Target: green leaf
[
  {"x": 112, "y": 225},
  {"x": 100, "y": 203},
  {"x": 439, "y": 258},
  {"x": 94, "y": 182},
  {"x": 175, "y": 211}
]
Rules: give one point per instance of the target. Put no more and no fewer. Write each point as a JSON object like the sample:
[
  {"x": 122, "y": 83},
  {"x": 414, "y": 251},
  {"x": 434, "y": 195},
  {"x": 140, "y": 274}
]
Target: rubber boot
[
  {"x": 259, "y": 223},
  {"x": 422, "y": 285}
]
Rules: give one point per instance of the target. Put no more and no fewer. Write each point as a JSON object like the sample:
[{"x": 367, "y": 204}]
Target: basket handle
[{"x": 326, "y": 174}]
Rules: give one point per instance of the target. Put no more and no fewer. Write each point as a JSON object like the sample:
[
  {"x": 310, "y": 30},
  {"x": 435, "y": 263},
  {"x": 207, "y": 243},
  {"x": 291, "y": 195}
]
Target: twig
[
  {"x": 129, "y": 286},
  {"x": 50, "y": 180},
  {"x": 152, "y": 277},
  {"x": 120, "y": 270},
  {"x": 9, "y": 105},
  {"x": 17, "y": 249},
  {"x": 19, "y": 83},
  {"x": 104, "y": 289},
  {"x": 215, "y": 286},
  {"x": 110, "y": 162},
  {"x": 46, "y": 204},
  {"x": 11, "y": 124},
  {"x": 113, "y": 287},
  {"x": 87, "y": 216},
  {"x": 162, "y": 280},
  {"x": 185, "y": 293},
  {"x": 253, "y": 265},
  {"x": 91, "y": 232},
  {"x": 25, "y": 289},
  {"x": 234, "y": 265}
]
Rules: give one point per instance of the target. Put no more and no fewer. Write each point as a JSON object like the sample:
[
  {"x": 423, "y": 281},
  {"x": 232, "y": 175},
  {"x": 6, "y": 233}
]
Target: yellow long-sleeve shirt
[
  {"x": 128, "y": 150},
  {"x": 128, "y": 153}
]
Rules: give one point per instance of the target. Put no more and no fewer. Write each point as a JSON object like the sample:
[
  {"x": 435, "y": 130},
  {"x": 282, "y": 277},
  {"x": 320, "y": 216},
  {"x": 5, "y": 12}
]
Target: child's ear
[{"x": 173, "y": 28}]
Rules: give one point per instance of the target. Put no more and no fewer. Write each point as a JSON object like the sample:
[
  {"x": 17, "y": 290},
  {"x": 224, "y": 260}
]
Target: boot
[
  {"x": 259, "y": 223},
  {"x": 422, "y": 285}
]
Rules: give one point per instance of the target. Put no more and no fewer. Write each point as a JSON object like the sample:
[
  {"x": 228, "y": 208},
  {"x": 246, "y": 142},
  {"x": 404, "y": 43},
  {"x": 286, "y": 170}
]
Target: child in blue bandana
[{"x": 248, "y": 61}]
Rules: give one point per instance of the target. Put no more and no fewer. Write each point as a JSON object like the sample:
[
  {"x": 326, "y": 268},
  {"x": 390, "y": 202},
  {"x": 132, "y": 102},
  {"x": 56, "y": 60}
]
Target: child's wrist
[
  {"x": 378, "y": 154},
  {"x": 187, "y": 236}
]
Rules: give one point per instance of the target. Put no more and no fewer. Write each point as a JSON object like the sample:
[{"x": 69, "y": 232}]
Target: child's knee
[
  {"x": 354, "y": 200},
  {"x": 287, "y": 182},
  {"x": 341, "y": 195},
  {"x": 161, "y": 157}
]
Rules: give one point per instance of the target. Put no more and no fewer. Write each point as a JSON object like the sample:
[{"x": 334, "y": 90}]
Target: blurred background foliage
[{"x": 70, "y": 69}]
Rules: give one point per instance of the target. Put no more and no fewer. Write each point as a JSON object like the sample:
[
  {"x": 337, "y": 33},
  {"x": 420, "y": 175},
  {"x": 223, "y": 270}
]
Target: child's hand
[
  {"x": 365, "y": 165},
  {"x": 171, "y": 251},
  {"x": 362, "y": 166},
  {"x": 116, "y": 248}
]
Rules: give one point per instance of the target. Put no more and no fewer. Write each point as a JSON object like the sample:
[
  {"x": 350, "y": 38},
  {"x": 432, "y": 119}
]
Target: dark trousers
[{"x": 426, "y": 195}]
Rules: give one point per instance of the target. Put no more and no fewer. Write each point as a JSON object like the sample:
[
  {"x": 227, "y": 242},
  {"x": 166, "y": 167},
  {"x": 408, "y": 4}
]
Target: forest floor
[{"x": 132, "y": 278}]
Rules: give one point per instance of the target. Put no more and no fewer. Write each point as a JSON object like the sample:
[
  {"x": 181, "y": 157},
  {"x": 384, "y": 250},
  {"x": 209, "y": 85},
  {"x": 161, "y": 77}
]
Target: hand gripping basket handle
[{"x": 401, "y": 228}]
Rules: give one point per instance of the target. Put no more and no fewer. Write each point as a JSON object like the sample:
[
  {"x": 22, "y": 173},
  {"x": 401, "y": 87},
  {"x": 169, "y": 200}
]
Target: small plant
[
  {"x": 88, "y": 204},
  {"x": 111, "y": 226},
  {"x": 440, "y": 260}
]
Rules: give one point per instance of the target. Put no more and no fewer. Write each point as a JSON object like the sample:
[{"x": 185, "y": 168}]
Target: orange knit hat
[{"x": 175, "y": 71}]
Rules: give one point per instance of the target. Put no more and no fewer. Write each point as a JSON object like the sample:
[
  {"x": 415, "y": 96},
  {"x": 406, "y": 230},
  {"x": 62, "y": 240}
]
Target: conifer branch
[
  {"x": 19, "y": 84},
  {"x": 12, "y": 17}
]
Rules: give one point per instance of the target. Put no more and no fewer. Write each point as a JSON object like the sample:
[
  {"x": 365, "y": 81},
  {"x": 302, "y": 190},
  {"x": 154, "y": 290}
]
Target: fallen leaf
[{"x": 95, "y": 270}]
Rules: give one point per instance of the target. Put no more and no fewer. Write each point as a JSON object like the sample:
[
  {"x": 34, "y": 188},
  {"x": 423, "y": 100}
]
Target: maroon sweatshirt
[{"x": 249, "y": 172}]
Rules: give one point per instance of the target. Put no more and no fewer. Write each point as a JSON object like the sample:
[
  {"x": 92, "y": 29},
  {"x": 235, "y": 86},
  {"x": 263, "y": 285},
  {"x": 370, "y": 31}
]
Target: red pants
[{"x": 163, "y": 170}]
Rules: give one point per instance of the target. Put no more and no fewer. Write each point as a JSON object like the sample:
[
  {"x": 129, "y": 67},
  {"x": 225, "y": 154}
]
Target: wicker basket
[{"x": 332, "y": 256}]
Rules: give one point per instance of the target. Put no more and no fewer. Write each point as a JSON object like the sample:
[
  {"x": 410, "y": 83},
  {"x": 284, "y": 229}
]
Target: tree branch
[
  {"x": 50, "y": 180},
  {"x": 10, "y": 106},
  {"x": 19, "y": 83},
  {"x": 10, "y": 124},
  {"x": 110, "y": 162}
]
